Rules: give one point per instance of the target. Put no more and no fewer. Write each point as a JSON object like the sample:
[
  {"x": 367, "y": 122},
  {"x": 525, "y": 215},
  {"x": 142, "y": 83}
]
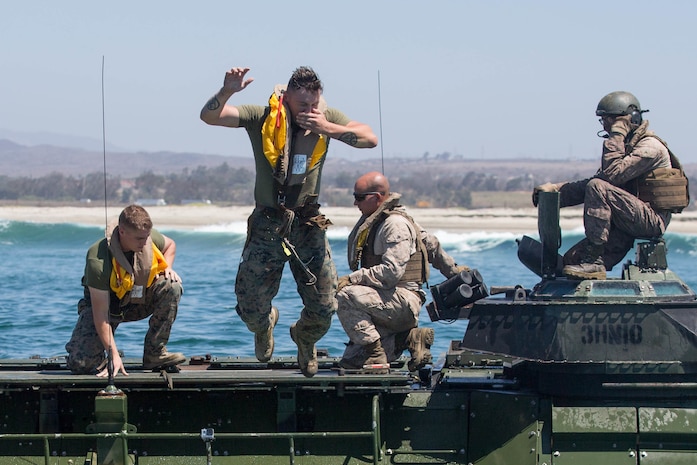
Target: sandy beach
[{"x": 197, "y": 216}]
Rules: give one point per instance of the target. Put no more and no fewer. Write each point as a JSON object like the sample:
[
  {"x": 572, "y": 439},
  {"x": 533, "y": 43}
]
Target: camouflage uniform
[
  {"x": 263, "y": 258},
  {"x": 85, "y": 350},
  {"x": 613, "y": 215},
  {"x": 376, "y": 305}
]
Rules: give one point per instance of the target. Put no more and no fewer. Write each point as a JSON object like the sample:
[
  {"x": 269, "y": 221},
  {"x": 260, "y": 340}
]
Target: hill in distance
[{"x": 17, "y": 160}]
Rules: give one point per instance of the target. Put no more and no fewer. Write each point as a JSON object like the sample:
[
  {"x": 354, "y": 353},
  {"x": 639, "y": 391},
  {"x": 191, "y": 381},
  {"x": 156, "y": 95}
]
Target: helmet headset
[{"x": 620, "y": 103}]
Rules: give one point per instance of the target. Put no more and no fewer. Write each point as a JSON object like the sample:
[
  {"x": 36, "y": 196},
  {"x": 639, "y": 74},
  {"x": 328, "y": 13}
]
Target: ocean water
[{"x": 41, "y": 266}]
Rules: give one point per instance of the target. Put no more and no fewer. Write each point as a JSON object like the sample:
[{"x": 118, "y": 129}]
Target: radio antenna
[
  {"x": 110, "y": 359},
  {"x": 382, "y": 143},
  {"x": 106, "y": 216}
]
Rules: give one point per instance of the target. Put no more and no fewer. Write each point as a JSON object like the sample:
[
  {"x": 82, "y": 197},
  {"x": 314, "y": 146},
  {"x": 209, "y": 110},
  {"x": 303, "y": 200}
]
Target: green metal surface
[
  {"x": 504, "y": 428},
  {"x": 567, "y": 373},
  {"x": 594, "y": 420}
]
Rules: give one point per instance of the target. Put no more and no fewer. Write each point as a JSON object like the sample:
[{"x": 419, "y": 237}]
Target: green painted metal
[
  {"x": 112, "y": 434},
  {"x": 504, "y": 427},
  {"x": 594, "y": 419},
  {"x": 111, "y": 414},
  {"x": 567, "y": 373}
]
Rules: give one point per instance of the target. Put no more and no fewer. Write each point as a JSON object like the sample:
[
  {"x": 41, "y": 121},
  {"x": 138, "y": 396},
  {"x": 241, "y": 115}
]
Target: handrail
[{"x": 373, "y": 433}]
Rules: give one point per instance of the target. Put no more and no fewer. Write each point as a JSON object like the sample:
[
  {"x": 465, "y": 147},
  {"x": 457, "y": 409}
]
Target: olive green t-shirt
[
  {"x": 98, "y": 264},
  {"x": 252, "y": 118}
]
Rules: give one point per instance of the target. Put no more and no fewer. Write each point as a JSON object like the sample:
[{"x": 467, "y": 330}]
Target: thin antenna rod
[
  {"x": 106, "y": 216},
  {"x": 382, "y": 141},
  {"x": 110, "y": 358}
]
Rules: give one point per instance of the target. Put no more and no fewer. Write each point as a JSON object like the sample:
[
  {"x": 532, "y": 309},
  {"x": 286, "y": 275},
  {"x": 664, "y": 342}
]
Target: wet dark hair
[{"x": 304, "y": 77}]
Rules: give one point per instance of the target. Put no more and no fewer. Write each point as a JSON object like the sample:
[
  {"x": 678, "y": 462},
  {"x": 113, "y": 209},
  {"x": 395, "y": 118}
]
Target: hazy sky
[{"x": 479, "y": 78}]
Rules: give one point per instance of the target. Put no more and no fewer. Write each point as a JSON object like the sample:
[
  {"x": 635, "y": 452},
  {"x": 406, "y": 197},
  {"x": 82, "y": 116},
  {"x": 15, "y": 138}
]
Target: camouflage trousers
[
  {"x": 161, "y": 301},
  {"x": 368, "y": 314},
  {"x": 261, "y": 267},
  {"x": 613, "y": 217}
]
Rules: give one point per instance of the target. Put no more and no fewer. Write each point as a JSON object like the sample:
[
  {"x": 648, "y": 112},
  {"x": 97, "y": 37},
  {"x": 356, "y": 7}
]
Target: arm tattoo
[
  {"x": 213, "y": 104},
  {"x": 349, "y": 138}
]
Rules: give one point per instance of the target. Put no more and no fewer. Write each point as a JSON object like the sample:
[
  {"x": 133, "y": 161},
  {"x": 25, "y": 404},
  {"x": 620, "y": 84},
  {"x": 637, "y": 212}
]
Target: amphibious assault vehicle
[{"x": 568, "y": 372}]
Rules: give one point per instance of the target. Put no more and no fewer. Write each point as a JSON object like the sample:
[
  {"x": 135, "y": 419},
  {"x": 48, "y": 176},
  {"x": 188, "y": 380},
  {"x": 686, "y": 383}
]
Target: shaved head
[
  {"x": 370, "y": 191},
  {"x": 372, "y": 182}
]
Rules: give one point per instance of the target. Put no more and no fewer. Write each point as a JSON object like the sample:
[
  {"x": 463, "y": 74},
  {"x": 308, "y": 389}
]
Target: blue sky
[{"x": 484, "y": 79}]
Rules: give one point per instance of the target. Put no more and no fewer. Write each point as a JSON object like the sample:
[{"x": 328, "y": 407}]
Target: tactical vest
[
  {"x": 417, "y": 267},
  {"x": 665, "y": 189},
  {"x": 294, "y": 154},
  {"x": 147, "y": 264}
]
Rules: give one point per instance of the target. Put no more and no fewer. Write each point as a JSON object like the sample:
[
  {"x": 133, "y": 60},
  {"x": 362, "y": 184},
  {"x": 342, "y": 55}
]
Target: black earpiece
[{"x": 635, "y": 115}]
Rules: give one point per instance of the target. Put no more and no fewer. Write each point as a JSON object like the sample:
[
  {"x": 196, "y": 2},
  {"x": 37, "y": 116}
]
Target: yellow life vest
[
  {"x": 362, "y": 239},
  {"x": 121, "y": 281},
  {"x": 276, "y": 139},
  {"x": 360, "y": 247}
]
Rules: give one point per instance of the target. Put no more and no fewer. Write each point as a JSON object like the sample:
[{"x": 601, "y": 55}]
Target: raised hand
[{"x": 235, "y": 80}]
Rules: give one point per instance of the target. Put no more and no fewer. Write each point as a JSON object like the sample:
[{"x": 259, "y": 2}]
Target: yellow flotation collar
[
  {"x": 121, "y": 281},
  {"x": 362, "y": 238},
  {"x": 275, "y": 134},
  {"x": 359, "y": 235}
]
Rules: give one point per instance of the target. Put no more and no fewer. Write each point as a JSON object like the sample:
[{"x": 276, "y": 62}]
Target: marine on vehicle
[{"x": 568, "y": 372}]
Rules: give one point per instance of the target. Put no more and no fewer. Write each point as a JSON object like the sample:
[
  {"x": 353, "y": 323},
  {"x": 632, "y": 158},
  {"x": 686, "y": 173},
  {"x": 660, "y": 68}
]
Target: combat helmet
[{"x": 617, "y": 104}]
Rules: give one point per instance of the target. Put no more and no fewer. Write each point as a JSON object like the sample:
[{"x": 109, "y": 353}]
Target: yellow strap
[
  {"x": 274, "y": 130},
  {"x": 159, "y": 264},
  {"x": 362, "y": 238},
  {"x": 319, "y": 150},
  {"x": 122, "y": 281},
  {"x": 274, "y": 134}
]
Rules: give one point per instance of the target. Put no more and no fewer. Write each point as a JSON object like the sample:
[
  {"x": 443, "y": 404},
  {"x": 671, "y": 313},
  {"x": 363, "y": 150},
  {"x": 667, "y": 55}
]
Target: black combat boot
[{"x": 591, "y": 266}]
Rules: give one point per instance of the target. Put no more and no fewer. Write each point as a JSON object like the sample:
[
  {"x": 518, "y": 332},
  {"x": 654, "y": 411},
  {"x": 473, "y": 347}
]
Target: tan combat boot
[
  {"x": 161, "y": 360},
  {"x": 419, "y": 343},
  {"x": 591, "y": 266},
  {"x": 400, "y": 343},
  {"x": 263, "y": 340},
  {"x": 377, "y": 359},
  {"x": 353, "y": 358},
  {"x": 372, "y": 357},
  {"x": 307, "y": 354}
]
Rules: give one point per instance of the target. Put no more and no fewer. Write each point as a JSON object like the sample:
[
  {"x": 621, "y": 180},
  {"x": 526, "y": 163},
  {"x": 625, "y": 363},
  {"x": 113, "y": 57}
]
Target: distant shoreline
[
  {"x": 196, "y": 216},
  {"x": 191, "y": 217}
]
